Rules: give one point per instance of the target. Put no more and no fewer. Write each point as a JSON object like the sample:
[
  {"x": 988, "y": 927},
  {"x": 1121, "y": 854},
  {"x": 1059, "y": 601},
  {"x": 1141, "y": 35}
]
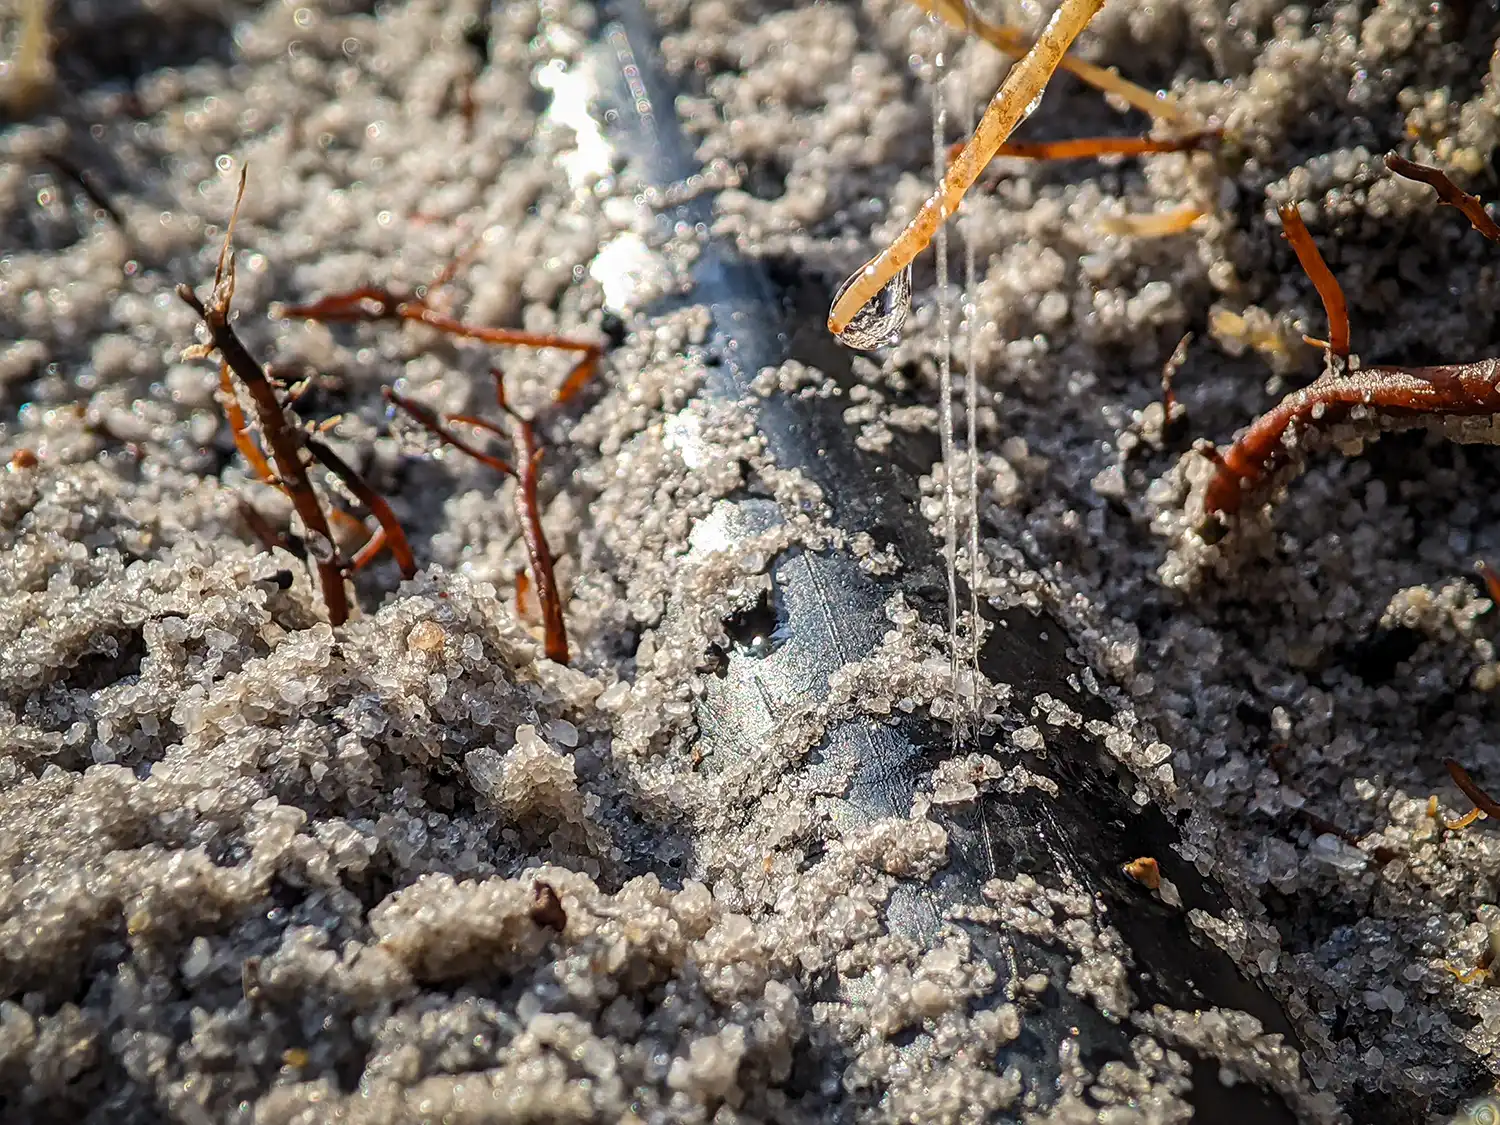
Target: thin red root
[
  {"x": 1088, "y": 148},
  {"x": 528, "y": 454},
  {"x": 369, "y": 552},
  {"x": 1482, "y": 800},
  {"x": 1464, "y": 389},
  {"x": 1491, "y": 580},
  {"x": 1448, "y": 192},
  {"x": 249, "y": 450},
  {"x": 390, "y": 527},
  {"x": 538, "y": 552},
  {"x": 432, "y": 422},
  {"x": 1329, "y": 291},
  {"x": 583, "y": 371},
  {"x": 372, "y": 303}
]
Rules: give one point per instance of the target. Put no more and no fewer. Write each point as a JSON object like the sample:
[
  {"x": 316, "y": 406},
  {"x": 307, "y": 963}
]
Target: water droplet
[{"x": 879, "y": 320}]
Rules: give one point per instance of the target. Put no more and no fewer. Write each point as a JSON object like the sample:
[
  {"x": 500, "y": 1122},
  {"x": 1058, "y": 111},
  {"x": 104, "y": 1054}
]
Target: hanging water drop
[{"x": 880, "y": 318}]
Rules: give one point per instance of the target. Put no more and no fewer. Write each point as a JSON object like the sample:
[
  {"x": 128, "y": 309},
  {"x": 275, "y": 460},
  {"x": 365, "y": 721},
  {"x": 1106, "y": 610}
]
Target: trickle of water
[
  {"x": 945, "y": 378},
  {"x": 878, "y": 321},
  {"x": 971, "y": 398}
]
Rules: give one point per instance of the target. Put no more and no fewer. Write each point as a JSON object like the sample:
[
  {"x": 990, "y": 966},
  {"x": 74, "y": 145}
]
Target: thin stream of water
[
  {"x": 971, "y": 389},
  {"x": 945, "y": 381}
]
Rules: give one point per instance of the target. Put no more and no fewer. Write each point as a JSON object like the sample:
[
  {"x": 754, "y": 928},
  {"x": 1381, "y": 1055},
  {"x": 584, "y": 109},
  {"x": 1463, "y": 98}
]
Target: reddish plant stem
[
  {"x": 251, "y": 452},
  {"x": 528, "y": 456},
  {"x": 1084, "y": 148},
  {"x": 1329, "y": 290},
  {"x": 283, "y": 440},
  {"x": 1458, "y": 390},
  {"x": 371, "y": 303},
  {"x": 1482, "y": 800},
  {"x": 1462, "y": 389},
  {"x": 390, "y": 528},
  {"x": 1448, "y": 192},
  {"x": 290, "y": 447},
  {"x": 390, "y": 533},
  {"x": 432, "y": 422},
  {"x": 538, "y": 553}
]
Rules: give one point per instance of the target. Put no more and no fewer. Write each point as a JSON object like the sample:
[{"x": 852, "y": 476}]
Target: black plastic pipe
[{"x": 829, "y": 612}]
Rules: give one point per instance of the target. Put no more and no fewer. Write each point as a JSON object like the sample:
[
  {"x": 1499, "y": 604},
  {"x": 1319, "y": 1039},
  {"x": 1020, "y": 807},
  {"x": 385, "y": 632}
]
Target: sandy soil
[{"x": 254, "y": 868}]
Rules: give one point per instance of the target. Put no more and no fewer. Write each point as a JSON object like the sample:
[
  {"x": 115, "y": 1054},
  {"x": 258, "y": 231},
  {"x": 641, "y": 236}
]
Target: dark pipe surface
[{"x": 829, "y": 612}]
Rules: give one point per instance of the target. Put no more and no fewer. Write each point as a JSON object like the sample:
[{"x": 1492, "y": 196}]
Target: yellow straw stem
[
  {"x": 1153, "y": 224},
  {"x": 1007, "y": 109},
  {"x": 1012, "y": 41}
]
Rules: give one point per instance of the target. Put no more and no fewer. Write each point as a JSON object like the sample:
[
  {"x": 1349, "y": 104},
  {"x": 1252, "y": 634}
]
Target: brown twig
[
  {"x": 527, "y": 457},
  {"x": 1087, "y": 148},
  {"x": 1448, "y": 192},
  {"x": 1481, "y": 800},
  {"x": 260, "y": 527},
  {"x": 1459, "y": 390},
  {"x": 279, "y": 434},
  {"x": 1329, "y": 291},
  {"x": 373, "y": 303},
  {"x": 390, "y": 533}
]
